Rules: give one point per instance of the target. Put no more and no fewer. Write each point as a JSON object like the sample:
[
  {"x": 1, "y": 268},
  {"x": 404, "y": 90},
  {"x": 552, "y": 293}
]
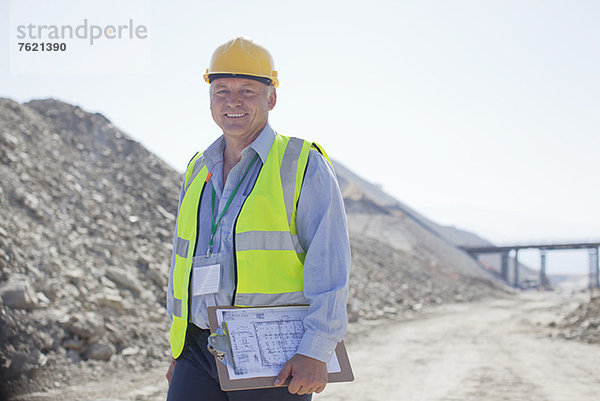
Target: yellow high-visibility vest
[{"x": 268, "y": 256}]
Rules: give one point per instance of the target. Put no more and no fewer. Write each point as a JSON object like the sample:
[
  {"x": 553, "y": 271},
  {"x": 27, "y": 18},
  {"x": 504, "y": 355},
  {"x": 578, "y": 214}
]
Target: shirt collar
[
  {"x": 261, "y": 145},
  {"x": 263, "y": 142},
  {"x": 214, "y": 153}
]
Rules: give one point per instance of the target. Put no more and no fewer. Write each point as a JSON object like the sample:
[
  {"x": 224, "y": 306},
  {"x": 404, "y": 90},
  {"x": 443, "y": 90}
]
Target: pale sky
[{"x": 478, "y": 114}]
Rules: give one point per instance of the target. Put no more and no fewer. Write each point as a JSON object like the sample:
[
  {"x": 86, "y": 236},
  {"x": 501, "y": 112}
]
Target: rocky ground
[
  {"x": 86, "y": 220},
  {"x": 583, "y": 323},
  {"x": 495, "y": 350}
]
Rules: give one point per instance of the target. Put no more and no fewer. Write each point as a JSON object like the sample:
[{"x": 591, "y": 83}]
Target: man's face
[{"x": 241, "y": 106}]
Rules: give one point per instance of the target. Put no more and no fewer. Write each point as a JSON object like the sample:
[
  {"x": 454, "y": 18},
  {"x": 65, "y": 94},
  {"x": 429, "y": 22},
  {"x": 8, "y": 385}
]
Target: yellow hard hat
[{"x": 242, "y": 58}]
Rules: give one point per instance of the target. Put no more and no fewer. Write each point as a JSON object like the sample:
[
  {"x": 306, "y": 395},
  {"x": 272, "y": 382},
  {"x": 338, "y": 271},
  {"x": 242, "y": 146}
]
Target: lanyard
[{"x": 215, "y": 224}]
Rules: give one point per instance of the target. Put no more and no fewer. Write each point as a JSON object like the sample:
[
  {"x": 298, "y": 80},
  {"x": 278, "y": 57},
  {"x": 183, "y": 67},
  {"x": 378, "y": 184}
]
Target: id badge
[{"x": 206, "y": 274}]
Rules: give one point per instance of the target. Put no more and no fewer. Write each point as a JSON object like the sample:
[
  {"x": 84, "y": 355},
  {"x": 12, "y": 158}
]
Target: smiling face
[{"x": 241, "y": 107}]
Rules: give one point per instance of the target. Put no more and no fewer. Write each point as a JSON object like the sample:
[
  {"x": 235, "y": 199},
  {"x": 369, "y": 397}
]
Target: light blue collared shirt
[{"x": 322, "y": 232}]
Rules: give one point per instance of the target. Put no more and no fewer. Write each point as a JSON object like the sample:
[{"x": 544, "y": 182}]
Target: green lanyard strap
[{"x": 214, "y": 224}]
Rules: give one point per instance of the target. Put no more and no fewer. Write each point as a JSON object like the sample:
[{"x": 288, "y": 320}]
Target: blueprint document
[{"x": 263, "y": 339}]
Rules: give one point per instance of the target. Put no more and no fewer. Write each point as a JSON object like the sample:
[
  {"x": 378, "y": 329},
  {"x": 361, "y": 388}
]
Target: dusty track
[{"x": 494, "y": 350}]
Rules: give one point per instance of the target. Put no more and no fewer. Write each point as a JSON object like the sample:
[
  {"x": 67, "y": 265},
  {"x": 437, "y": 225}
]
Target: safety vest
[{"x": 268, "y": 256}]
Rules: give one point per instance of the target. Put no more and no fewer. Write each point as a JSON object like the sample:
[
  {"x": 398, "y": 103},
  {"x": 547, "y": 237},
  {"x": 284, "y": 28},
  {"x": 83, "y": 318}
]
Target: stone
[
  {"x": 100, "y": 352},
  {"x": 114, "y": 302},
  {"x": 144, "y": 262},
  {"x": 106, "y": 283},
  {"x": 22, "y": 363},
  {"x": 42, "y": 298},
  {"x": 18, "y": 365},
  {"x": 157, "y": 277},
  {"x": 390, "y": 310},
  {"x": 44, "y": 341},
  {"x": 165, "y": 213},
  {"x": 124, "y": 279},
  {"x": 130, "y": 351},
  {"x": 73, "y": 356},
  {"x": 73, "y": 343},
  {"x": 18, "y": 295},
  {"x": 81, "y": 328}
]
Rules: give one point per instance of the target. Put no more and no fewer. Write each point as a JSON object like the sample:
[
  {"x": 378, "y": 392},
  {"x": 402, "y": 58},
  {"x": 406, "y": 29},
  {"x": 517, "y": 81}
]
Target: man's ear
[{"x": 272, "y": 98}]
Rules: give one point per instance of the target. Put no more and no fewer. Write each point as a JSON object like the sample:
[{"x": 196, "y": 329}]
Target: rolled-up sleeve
[{"x": 323, "y": 234}]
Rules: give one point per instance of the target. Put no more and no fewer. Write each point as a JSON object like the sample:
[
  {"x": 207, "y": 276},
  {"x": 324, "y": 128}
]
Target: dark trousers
[{"x": 195, "y": 377}]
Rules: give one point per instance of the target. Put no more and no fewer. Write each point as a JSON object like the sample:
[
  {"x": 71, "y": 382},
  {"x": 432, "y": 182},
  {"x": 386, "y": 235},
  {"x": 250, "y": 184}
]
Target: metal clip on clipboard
[{"x": 219, "y": 345}]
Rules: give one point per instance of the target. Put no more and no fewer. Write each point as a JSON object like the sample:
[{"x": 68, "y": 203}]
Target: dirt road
[{"x": 494, "y": 350}]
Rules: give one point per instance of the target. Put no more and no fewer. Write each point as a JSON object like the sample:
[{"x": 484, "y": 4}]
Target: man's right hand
[
  {"x": 170, "y": 371},
  {"x": 307, "y": 375}
]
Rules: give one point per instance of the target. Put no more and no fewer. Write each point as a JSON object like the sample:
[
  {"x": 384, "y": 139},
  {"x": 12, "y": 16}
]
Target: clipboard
[{"x": 220, "y": 347}]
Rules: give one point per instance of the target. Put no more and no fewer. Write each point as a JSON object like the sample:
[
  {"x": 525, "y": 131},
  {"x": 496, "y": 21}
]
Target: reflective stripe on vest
[
  {"x": 184, "y": 250},
  {"x": 268, "y": 256}
]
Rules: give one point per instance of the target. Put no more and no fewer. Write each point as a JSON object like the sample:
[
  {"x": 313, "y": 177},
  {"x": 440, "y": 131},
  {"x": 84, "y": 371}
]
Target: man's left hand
[{"x": 307, "y": 374}]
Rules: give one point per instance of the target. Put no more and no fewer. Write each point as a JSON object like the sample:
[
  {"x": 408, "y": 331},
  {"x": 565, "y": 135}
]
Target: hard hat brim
[{"x": 212, "y": 76}]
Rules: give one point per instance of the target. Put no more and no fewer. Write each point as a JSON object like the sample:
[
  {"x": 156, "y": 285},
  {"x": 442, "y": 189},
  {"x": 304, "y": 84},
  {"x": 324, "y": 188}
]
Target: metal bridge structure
[{"x": 505, "y": 250}]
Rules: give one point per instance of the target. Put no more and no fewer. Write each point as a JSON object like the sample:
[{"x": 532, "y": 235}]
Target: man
[{"x": 260, "y": 223}]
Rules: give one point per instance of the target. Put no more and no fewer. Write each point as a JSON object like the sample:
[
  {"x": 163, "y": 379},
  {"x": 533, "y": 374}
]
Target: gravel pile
[
  {"x": 399, "y": 268},
  {"x": 86, "y": 221},
  {"x": 583, "y": 323}
]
